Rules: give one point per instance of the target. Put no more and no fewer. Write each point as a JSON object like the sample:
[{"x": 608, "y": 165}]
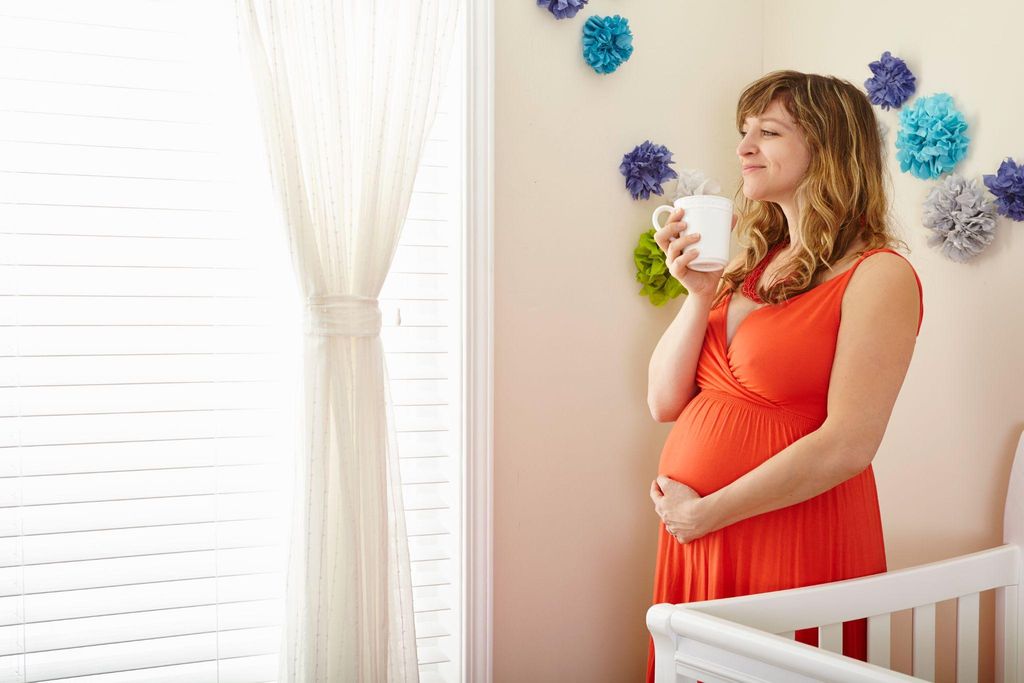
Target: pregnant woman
[{"x": 781, "y": 370}]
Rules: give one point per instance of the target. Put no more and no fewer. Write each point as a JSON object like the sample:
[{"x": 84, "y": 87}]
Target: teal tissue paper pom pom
[
  {"x": 931, "y": 140},
  {"x": 607, "y": 43}
]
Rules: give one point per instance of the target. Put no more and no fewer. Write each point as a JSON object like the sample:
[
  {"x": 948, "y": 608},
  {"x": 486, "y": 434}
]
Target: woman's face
[{"x": 774, "y": 155}]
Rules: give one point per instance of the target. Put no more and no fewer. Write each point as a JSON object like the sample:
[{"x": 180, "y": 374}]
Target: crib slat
[
  {"x": 1007, "y": 634},
  {"x": 924, "y": 642},
  {"x": 830, "y": 637},
  {"x": 879, "y": 628},
  {"x": 967, "y": 620}
]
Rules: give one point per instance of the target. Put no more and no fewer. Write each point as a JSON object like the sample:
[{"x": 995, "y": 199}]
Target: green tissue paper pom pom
[{"x": 652, "y": 271}]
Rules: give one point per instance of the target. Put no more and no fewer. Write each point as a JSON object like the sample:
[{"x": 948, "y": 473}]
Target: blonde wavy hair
[{"x": 842, "y": 197}]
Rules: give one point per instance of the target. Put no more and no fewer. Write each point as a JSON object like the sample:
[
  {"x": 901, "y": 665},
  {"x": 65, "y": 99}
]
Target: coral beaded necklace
[{"x": 749, "y": 287}]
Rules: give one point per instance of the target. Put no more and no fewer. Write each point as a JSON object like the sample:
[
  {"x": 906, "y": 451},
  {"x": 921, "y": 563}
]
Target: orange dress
[{"x": 767, "y": 390}]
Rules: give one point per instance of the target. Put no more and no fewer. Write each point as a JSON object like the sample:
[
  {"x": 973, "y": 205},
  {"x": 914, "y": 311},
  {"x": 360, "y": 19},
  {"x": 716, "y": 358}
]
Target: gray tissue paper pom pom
[
  {"x": 883, "y": 130},
  {"x": 961, "y": 218}
]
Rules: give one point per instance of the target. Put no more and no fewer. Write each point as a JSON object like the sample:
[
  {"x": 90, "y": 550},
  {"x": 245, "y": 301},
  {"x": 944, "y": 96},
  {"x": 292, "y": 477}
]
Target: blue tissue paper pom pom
[
  {"x": 931, "y": 139},
  {"x": 1007, "y": 184},
  {"x": 562, "y": 9},
  {"x": 892, "y": 82},
  {"x": 607, "y": 43},
  {"x": 646, "y": 168}
]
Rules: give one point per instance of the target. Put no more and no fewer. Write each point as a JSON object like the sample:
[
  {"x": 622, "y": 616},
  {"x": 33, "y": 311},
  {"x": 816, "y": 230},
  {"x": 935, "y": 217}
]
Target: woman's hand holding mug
[{"x": 680, "y": 250}]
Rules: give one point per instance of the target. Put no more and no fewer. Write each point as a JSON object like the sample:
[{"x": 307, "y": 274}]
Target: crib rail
[
  {"x": 831, "y": 603},
  {"x": 734, "y": 639},
  {"x": 691, "y": 646}
]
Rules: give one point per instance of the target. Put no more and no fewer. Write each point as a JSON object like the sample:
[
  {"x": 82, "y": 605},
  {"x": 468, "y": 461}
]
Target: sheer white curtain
[{"x": 347, "y": 91}]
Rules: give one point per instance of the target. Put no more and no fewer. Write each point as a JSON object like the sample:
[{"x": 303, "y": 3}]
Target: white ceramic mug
[{"x": 711, "y": 216}]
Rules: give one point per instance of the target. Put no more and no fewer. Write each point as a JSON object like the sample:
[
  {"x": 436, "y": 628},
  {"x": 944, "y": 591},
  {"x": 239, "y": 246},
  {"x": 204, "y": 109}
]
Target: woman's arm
[
  {"x": 804, "y": 469},
  {"x": 671, "y": 375},
  {"x": 877, "y": 335}
]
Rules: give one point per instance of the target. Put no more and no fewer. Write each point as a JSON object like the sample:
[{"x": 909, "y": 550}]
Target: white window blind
[
  {"x": 144, "y": 355},
  {"x": 423, "y": 343}
]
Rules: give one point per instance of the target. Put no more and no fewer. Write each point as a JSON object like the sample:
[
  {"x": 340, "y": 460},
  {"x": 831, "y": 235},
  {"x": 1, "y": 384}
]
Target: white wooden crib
[{"x": 750, "y": 638}]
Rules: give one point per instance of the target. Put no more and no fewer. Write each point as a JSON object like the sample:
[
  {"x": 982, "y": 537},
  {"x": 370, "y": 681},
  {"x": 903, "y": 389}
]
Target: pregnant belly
[{"x": 719, "y": 438}]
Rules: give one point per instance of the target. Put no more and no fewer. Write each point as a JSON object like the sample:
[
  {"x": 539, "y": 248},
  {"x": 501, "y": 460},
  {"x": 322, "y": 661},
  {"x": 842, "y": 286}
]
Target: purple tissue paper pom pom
[
  {"x": 1007, "y": 184},
  {"x": 646, "y": 168},
  {"x": 562, "y": 9},
  {"x": 892, "y": 82}
]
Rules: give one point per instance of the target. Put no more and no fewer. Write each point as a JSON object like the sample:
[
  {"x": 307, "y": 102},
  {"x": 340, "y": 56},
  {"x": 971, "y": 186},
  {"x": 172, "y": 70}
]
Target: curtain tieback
[{"x": 344, "y": 315}]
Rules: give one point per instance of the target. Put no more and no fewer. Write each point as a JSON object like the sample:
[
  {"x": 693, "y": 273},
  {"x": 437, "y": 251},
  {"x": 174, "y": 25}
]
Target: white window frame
[{"x": 478, "y": 321}]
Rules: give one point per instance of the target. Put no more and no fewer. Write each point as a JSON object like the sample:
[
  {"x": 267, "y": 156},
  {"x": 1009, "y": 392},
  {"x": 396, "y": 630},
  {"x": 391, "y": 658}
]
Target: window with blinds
[
  {"x": 423, "y": 336},
  {"x": 147, "y": 332}
]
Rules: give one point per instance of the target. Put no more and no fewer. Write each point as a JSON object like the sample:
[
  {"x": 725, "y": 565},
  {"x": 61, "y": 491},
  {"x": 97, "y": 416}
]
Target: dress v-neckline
[{"x": 729, "y": 343}]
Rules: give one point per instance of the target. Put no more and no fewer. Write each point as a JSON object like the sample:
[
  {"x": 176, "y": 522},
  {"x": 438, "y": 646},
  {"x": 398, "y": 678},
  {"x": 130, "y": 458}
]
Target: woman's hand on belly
[{"x": 680, "y": 509}]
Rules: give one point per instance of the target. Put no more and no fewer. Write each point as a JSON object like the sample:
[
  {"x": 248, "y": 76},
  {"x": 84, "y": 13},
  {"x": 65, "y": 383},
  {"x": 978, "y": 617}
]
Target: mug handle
[{"x": 664, "y": 208}]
